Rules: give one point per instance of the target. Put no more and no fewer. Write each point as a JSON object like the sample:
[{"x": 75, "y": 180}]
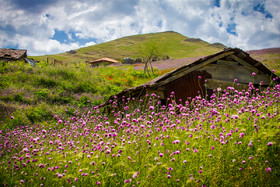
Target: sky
[{"x": 55, "y": 26}]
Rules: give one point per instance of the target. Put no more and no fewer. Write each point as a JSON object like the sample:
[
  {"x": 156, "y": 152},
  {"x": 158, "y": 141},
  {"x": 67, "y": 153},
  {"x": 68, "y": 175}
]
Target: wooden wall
[{"x": 225, "y": 72}]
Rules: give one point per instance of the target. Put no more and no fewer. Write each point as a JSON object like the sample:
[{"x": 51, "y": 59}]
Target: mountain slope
[
  {"x": 176, "y": 46},
  {"x": 269, "y": 57}
]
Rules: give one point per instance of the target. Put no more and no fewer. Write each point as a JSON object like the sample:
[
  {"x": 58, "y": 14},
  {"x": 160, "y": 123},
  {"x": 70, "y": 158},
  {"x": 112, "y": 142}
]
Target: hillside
[
  {"x": 176, "y": 46},
  {"x": 269, "y": 57}
]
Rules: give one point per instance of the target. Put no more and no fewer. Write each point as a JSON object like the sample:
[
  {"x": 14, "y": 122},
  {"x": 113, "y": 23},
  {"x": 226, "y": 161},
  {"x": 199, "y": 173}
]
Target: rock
[
  {"x": 138, "y": 60},
  {"x": 128, "y": 60}
]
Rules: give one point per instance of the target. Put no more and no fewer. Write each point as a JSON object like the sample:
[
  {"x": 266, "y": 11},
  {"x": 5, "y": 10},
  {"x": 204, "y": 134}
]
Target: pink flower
[
  {"x": 253, "y": 73},
  {"x": 269, "y": 144},
  {"x": 12, "y": 117},
  {"x": 268, "y": 169},
  {"x": 241, "y": 135}
]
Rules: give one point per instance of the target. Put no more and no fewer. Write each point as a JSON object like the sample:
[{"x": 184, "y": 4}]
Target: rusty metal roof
[{"x": 12, "y": 53}]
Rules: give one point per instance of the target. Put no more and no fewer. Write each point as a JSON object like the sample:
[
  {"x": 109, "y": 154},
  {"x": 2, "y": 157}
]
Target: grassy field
[
  {"x": 34, "y": 95},
  {"x": 175, "y": 45},
  {"x": 231, "y": 140}
]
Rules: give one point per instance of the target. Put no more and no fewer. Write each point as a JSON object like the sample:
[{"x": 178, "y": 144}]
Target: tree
[{"x": 149, "y": 51}]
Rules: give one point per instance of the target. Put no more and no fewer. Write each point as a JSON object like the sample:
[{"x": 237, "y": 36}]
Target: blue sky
[{"x": 55, "y": 26}]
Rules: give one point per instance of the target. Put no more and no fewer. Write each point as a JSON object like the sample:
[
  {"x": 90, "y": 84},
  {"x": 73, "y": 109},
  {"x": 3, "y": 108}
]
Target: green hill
[{"x": 176, "y": 46}]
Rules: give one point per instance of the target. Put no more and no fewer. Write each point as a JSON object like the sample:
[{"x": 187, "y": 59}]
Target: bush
[
  {"x": 46, "y": 82},
  {"x": 39, "y": 113},
  {"x": 42, "y": 93},
  {"x": 19, "y": 97},
  {"x": 5, "y": 81},
  {"x": 19, "y": 119},
  {"x": 84, "y": 86}
]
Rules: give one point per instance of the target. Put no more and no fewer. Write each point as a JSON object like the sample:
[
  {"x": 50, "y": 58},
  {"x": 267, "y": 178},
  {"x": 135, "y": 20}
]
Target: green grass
[
  {"x": 223, "y": 142},
  {"x": 36, "y": 94}
]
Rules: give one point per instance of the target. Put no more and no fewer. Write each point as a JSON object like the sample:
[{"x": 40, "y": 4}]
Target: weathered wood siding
[{"x": 227, "y": 71}]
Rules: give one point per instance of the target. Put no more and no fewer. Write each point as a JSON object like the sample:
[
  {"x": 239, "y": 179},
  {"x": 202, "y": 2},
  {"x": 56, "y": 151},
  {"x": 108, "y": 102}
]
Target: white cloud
[{"x": 87, "y": 22}]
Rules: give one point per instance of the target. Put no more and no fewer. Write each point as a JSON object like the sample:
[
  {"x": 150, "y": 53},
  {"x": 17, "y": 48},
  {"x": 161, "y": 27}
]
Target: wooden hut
[
  {"x": 231, "y": 67},
  {"x": 103, "y": 62},
  {"x": 12, "y": 54}
]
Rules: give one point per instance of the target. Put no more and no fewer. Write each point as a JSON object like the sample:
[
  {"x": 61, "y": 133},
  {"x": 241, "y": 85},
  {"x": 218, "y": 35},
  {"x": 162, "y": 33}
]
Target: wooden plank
[
  {"x": 230, "y": 72},
  {"x": 183, "y": 72},
  {"x": 226, "y": 62},
  {"x": 214, "y": 84},
  {"x": 258, "y": 64},
  {"x": 241, "y": 55},
  {"x": 243, "y": 62}
]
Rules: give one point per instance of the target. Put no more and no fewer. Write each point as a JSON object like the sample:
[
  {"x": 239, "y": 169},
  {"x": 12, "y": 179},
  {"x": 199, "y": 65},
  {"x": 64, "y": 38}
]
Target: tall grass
[
  {"x": 59, "y": 88},
  {"x": 231, "y": 140}
]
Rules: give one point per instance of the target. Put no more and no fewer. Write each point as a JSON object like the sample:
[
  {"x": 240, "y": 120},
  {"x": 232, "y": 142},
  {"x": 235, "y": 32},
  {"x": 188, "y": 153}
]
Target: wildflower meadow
[{"x": 231, "y": 139}]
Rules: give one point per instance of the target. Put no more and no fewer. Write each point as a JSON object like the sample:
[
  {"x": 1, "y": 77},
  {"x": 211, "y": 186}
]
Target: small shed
[
  {"x": 231, "y": 67},
  {"x": 103, "y": 62},
  {"x": 12, "y": 54}
]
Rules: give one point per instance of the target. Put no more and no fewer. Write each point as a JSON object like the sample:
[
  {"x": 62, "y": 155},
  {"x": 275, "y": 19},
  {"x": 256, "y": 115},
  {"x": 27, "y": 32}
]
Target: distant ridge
[
  {"x": 218, "y": 45},
  {"x": 268, "y": 50},
  {"x": 267, "y": 56}
]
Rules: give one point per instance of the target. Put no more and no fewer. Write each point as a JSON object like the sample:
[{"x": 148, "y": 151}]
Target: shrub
[
  {"x": 39, "y": 113},
  {"x": 19, "y": 97},
  {"x": 5, "y": 81},
  {"x": 42, "y": 93},
  {"x": 84, "y": 101},
  {"x": 19, "y": 119},
  {"x": 84, "y": 86},
  {"x": 46, "y": 82}
]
